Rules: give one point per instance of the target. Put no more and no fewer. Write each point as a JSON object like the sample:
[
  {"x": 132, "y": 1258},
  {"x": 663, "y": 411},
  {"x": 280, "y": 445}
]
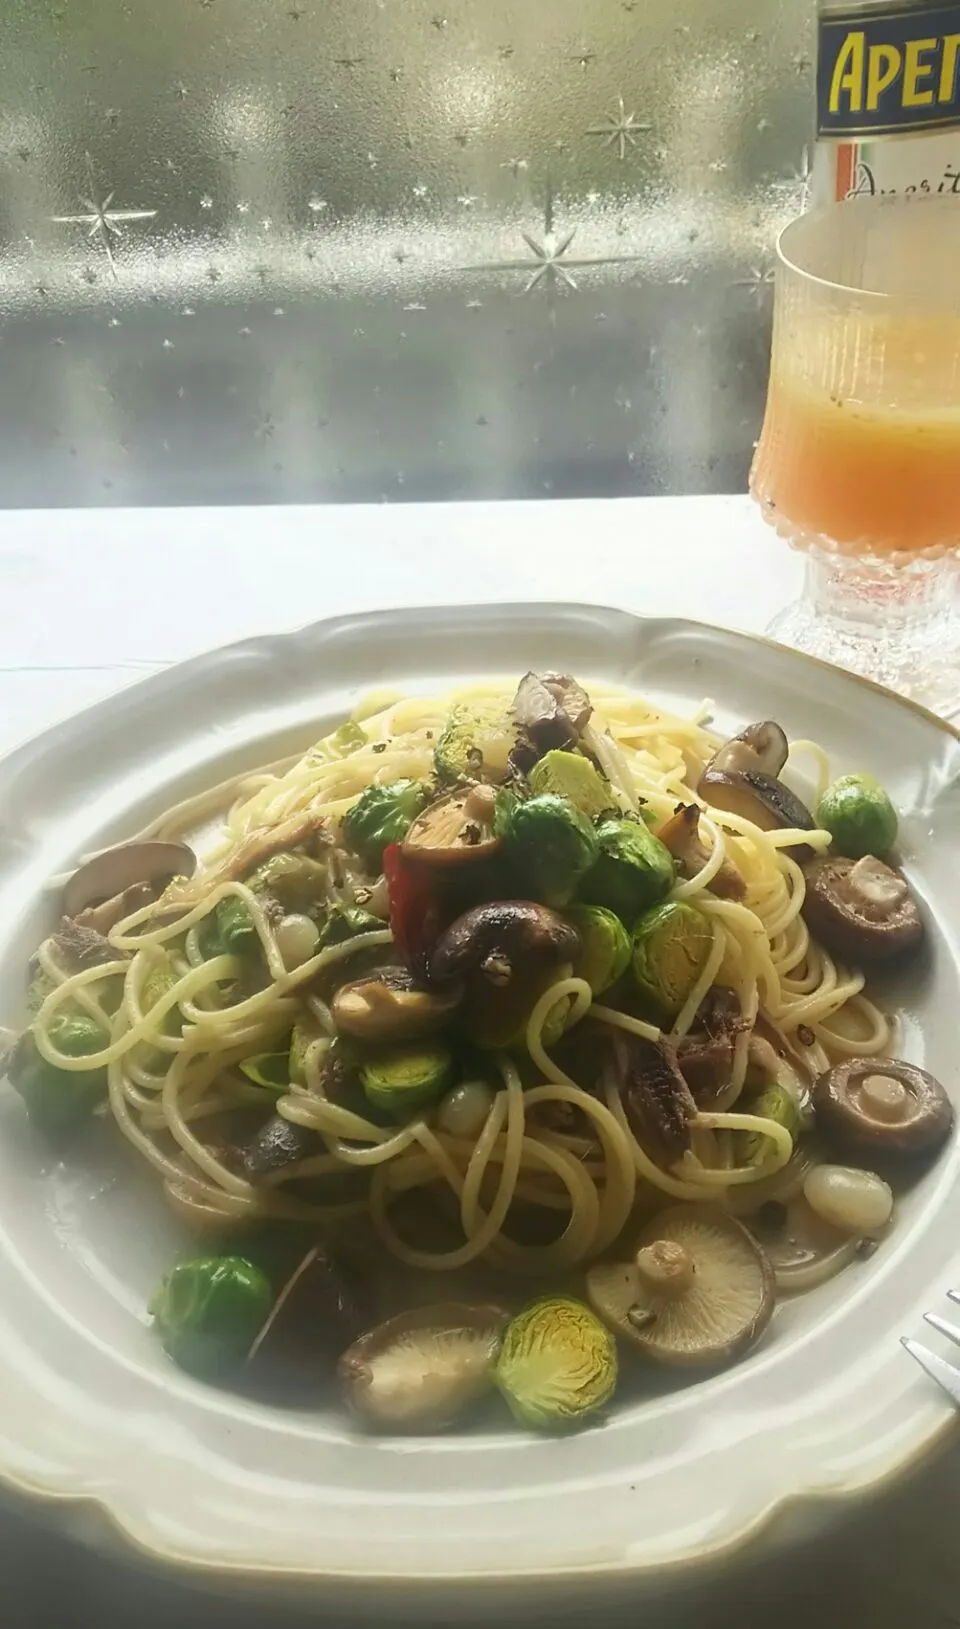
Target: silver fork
[{"x": 944, "y": 1373}]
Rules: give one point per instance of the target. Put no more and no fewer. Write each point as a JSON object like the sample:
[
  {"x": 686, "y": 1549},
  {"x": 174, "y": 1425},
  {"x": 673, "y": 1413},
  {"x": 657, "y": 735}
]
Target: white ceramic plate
[{"x": 91, "y": 1411}]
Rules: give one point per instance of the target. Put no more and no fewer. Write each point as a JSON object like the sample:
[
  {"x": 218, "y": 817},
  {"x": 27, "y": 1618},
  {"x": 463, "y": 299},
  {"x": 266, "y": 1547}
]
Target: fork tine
[
  {"x": 940, "y": 1324},
  {"x": 953, "y": 1295},
  {"x": 945, "y": 1375}
]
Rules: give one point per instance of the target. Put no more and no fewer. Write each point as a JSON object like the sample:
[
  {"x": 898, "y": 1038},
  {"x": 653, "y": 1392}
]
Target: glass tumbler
[{"x": 858, "y": 462}]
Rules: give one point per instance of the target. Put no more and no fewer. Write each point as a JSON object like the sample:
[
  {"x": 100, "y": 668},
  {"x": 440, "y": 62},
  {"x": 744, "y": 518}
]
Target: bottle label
[{"x": 888, "y": 69}]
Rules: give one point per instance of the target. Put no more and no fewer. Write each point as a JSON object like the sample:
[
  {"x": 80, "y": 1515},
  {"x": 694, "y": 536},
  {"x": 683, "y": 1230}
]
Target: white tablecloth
[{"x": 93, "y": 600}]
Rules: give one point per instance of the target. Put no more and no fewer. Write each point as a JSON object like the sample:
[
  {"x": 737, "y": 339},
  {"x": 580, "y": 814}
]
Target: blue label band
[{"x": 884, "y": 70}]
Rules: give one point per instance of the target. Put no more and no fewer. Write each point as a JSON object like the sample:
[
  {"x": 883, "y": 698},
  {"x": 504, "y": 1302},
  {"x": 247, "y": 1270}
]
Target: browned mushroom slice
[
  {"x": 457, "y": 828},
  {"x": 388, "y": 1005},
  {"x": 741, "y": 778},
  {"x": 882, "y": 1106},
  {"x": 656, "y": 1099},
  {"x": 762, "y": 747},
  {"x": 551, "y": 710},
  {"x": 420, "y": 1370},
  {"x": 861, "y": 910},
  {"x": 279, "y": 1142},
  {"x": 699, "y": 1291},
  {"x": 681, "y": 835},
  {"x": 77, "y": 946},
  {"x": 116, "y": 869}
]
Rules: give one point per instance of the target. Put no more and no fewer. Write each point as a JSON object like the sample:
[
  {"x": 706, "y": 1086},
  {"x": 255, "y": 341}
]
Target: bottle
[{"x": 888, "y": 99}]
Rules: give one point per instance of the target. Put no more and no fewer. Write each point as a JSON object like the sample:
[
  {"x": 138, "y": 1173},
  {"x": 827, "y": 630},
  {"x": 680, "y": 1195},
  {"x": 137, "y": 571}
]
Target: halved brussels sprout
[
  {"x": 476, "y": 742},
  {"x": 233, "y": 932},
  {"x": 549, "y": 841},
  {"x": 604, "y": 946},
  {"x": 405, "y": 1079},
  {"x": 570, "y": 775},
  {"x": 557, "y": 1364},
  {"x": 632, "y": 872},
  {"x": 773, "y": 1103},
  {"x": 380, "y": 816},
  {"x": 208, "y": 1311},
  {"x": 671, "y": 945},
  {"x": 298, "y": 882},
  {"x": 269, "y": 1069},
  {"x": 859, "y": 816}
]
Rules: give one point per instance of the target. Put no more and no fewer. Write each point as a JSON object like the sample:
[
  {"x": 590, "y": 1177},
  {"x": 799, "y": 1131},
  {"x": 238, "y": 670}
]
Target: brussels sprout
[
  {"x": 604, "y": 946},
  {"x": 348, "y": 738},
  {"x": 270, "y": 1069},
  {"x": 405, "y": 1079},
  {"x": 294, "y": 879},
  {"x": 477, "y": 739},
  {"x": 774, "y": 1102},
  {"x": 859, "y": 816},
  {"x": 57, "y": 1101},
  {"x": 233, "y": 932},
  {"x": 208, "y": 1311},
  {"x": 633, "y": 870},
  {"x": 158, "y": 983},
  {"x": 380, "y": 816},
  {"x": 671, "y": 944},
  {"x": 549, "y": 841},
  {"x": 572, "y": 776},
  {"x": 345, "y": 922},
  {"x": 557, "y": 1364}
]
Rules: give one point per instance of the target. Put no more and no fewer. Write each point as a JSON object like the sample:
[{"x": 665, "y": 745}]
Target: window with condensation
[{"x": 294, "y": 250}]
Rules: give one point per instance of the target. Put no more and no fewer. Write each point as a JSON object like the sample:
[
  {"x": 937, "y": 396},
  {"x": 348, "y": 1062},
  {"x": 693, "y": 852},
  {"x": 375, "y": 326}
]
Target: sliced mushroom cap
[
  {"x": 418, "y": 1371},
  {"x": 698, "y": 1293},
  {"x": 758, "y": 797},
  {"x": 315, "y": 1316},
  {"x": 882, "y": 1106},
  {"x": 861, "y": 910},
  {"x": 803, "y": 1249},
  {"x": 119, "y": 868},
  {"x": 456, "y": 828},
  {"x": 388, "y": 1005},
  {"x": 762, "y": 747}
]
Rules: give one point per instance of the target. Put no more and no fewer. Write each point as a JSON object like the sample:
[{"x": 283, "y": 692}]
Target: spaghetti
[{"x": 180, "y": 1016}]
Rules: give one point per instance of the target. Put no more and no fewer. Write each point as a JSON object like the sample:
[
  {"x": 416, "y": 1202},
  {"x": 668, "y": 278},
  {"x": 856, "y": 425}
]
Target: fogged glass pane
[{"x": 327, "y": 249}]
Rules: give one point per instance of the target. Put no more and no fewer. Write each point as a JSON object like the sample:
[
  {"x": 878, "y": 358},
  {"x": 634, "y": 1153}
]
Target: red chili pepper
[{"x": 414, "y": 909}]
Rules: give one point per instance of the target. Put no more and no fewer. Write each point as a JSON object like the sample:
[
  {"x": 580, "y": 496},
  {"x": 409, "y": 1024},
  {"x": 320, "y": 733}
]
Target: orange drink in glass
[{"x": 859, "y": 458}]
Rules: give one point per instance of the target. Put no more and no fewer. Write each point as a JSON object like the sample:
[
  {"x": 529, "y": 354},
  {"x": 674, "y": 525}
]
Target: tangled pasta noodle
[{"x": 173, "y": 1062}]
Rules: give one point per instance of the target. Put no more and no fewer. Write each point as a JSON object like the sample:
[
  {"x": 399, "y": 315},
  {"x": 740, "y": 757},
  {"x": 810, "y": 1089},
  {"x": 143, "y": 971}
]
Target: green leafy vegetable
[
  {"x": 859, "y": 816},
  {"x": 270, "y": 1069},
  {"x": 298, "y": 882},
  {"x": 671, "y": 944},
  {"x": 380, "y": 816},
  {"x": 550, "y": 843},
  {"x": 345, "y": 922},
  {"x": 233, "y": 931},
  {"x": 208, "y": 1310},
  {"x": 633, "y": 870}
]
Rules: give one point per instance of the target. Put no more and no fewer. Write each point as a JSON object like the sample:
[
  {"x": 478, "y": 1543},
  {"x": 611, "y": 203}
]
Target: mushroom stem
[
  {"x": 498, "y": 969},
  {"x": 666, "y": 1269},
  {"x": 886, "y": 1097}
]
